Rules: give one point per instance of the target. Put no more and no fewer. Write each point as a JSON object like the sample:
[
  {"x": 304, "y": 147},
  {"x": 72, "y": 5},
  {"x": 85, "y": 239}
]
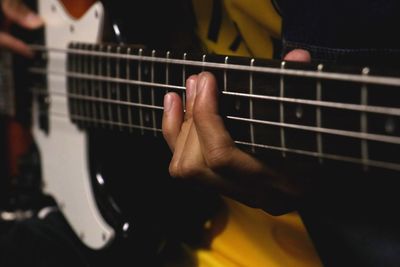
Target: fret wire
[
  {"x": 100, "y": 84},
  {"x": 337, "y": 105},
  {"x": 167, "y": 55},
  {"x": 281, "y": 110},
  {"x": 382, "y": 80},
  {"x": 153, "y": 54},
  {"x": 79, "y": 84},
  {"x": 110, "y": 113},
  {"x": 118, "y": 95},
  {"x": 128, "y": 87},
  {"x": 318, "y": 115},
  {"x": 86, "y": 83},
  {"x": 74, "y": 82},
  {"x": 364, "y": 122},
  {"x": 357, "y": 135},
  {"x": 140, "y": 88},
  {"x": 373, "y": 163},
  {"x": 93, "y": 72},
  {"x": 225, "y": 75},
  {"x": 251, "y": 108},
  {"x": 184, "y": 82},
  {"x": 350, "y": 134}
]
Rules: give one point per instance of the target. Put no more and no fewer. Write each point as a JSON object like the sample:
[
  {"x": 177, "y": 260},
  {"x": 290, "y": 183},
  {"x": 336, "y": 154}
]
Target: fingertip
[
  {"x": 206, "y": 77},
  {"x": 168, "y": 102},
  {"x": 172, "y": 103},
  {"x": 191, "y": 89},
  {"x": 192, "y": 78},
  {"x": 207, "y": 84},
  {"x": 207, "y": 94},
  {"x": 202, "y": 80}
]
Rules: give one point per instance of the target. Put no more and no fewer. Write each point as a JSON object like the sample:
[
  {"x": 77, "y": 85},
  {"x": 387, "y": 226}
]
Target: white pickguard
[{"x": 64, "y": 155}]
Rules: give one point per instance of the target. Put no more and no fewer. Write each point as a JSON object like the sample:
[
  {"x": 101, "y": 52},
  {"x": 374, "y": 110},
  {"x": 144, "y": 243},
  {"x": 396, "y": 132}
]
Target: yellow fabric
[
  {"x": 251, "y": 237},
  {"x": 256, "y": 20}
]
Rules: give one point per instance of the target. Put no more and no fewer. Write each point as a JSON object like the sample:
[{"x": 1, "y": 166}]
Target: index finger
[{"x": 14, "y": 44}]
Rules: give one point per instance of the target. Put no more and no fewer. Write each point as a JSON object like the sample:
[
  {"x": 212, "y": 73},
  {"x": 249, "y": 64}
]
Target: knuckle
[
  {"x": 184, "y": 169},
  {"x": 218, "y": 157},
  {"x": 189, "y": 169}
]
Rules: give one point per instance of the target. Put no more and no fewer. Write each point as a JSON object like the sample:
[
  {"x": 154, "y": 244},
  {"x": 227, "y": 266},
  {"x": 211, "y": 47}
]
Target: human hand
[
  {"x": 204, "y": 151},
  {"x": 17, "y": 12}
]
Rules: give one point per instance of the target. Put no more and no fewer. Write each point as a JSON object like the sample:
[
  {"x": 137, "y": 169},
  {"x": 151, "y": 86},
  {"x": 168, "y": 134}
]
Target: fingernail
[
  {"x": 34, "y": 20},
  {"x": 190, "y": 88},
  {"x": 167, "y": 102}
]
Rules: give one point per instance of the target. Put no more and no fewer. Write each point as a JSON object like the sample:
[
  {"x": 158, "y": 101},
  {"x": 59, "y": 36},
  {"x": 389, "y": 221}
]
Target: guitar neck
[{"x": 281, "y": 109}]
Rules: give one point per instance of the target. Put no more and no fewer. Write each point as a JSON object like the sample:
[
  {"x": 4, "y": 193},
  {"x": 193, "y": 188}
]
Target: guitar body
[
  {"x": 106, "y": 182},
  {"x": 63, "y": 149}
]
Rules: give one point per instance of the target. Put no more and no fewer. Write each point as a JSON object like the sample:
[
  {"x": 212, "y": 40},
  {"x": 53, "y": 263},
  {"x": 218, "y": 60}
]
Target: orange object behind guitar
[{"x": 77, "y": 8}]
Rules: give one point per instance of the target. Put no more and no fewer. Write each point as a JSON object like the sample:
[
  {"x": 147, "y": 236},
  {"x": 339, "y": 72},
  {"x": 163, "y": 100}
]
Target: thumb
[
  {"x": 18, "y": 12},
  {"x": 299, "y": 55}
]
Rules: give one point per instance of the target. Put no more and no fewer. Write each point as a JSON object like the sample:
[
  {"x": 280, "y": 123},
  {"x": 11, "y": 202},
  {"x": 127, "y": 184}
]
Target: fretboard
[
  {"x": 273, "y": 109},
  {"x": 6, "y": 84}
]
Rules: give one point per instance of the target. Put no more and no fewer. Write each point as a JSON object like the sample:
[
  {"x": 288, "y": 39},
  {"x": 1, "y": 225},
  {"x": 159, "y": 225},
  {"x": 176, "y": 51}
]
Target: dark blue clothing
[
  {"x": 344, "y": 31},
  {"x": 351, "y": 221}
]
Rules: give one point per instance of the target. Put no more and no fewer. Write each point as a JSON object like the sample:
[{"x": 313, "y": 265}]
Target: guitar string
[
  {"x": 336, "y": 157},
  {"x": 334, "y": 76},
  {"x": 328, "y": 104},
  {"x": 336, "y": 132},
  {"x": 366, "y": 79},
  {"x": 374, "y": 163}
]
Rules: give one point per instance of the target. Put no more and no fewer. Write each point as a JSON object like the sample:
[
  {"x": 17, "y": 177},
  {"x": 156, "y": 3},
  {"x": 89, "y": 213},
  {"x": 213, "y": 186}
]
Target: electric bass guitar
[{"x": 309, "y": 116}]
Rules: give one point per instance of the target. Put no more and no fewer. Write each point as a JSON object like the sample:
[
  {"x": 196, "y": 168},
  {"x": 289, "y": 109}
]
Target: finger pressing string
[
  {"x": 213, "y": 136},
  {"x": 172, "y": 119},
  {"x": 191, "y": 87}
]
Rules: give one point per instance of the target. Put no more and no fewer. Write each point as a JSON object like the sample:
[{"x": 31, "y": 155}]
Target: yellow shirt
[{"x": 249, "y": 237}]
